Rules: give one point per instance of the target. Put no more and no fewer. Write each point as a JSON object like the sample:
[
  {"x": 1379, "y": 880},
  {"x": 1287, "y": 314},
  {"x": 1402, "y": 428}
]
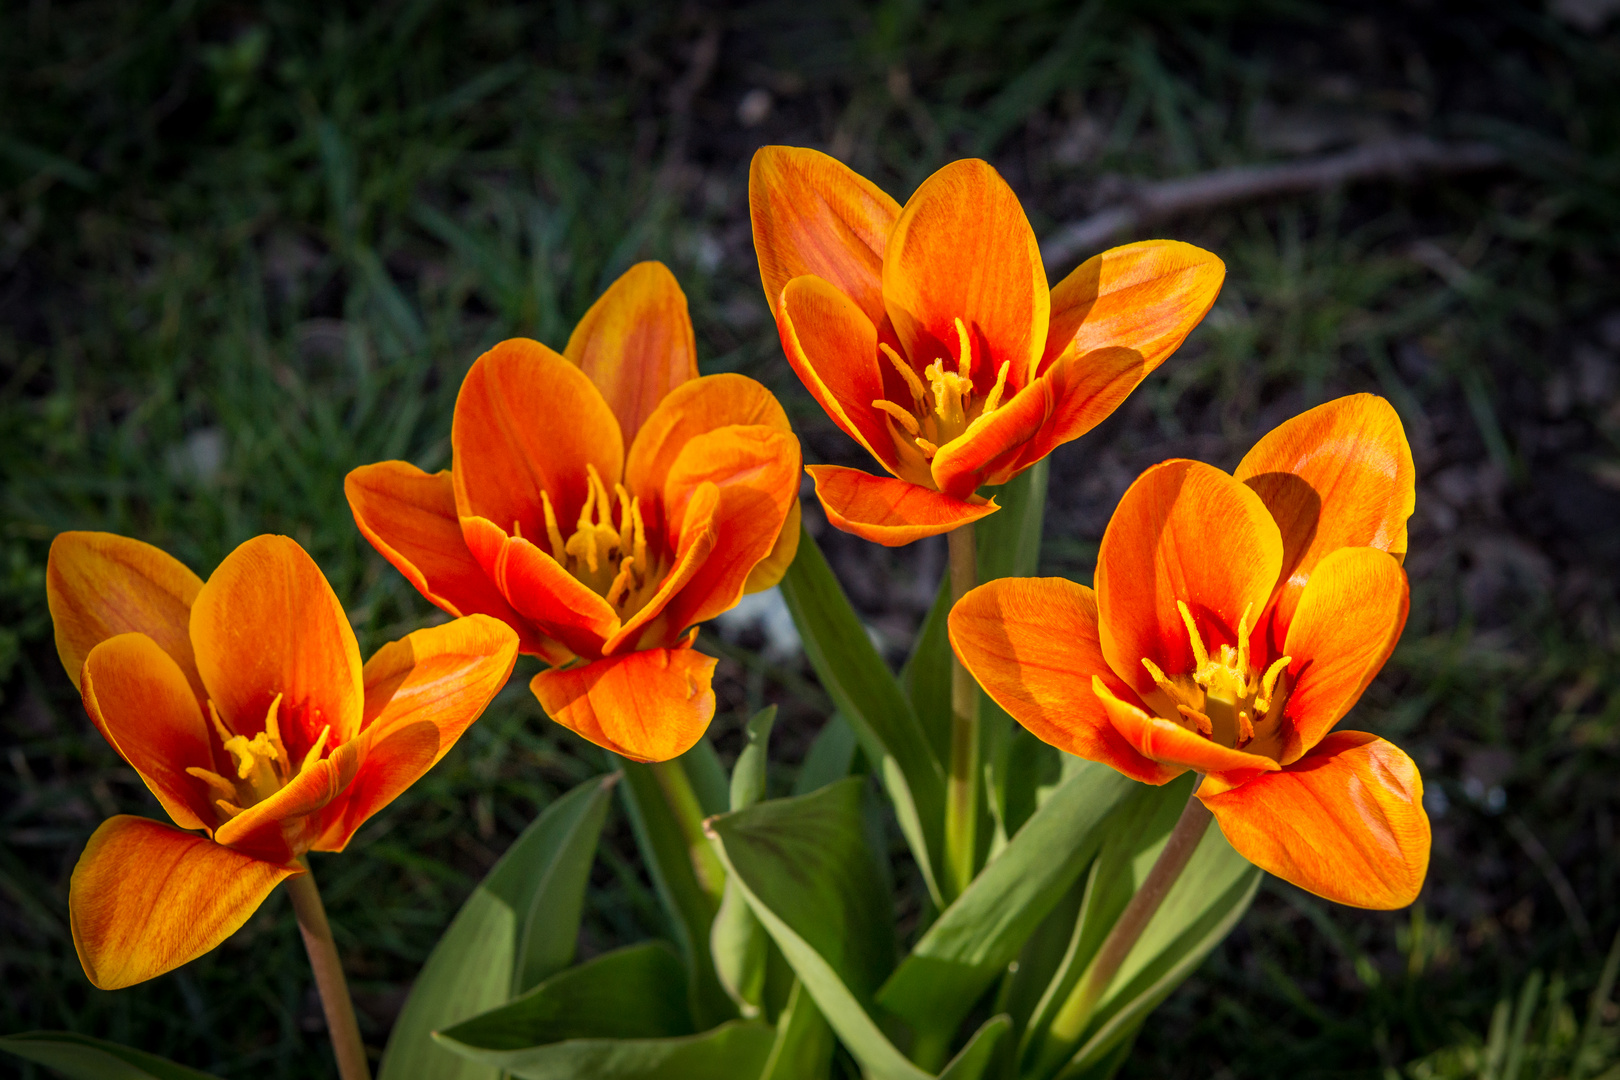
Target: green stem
[
  {"x": 683, "y": 803},
  {"x": 962, "y": 785},
  {"x": 334, "y": 989},
  {"x": 1072, "y": 1018}
]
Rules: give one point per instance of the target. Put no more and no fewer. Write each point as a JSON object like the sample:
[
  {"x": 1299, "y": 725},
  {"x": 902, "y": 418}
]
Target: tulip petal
[
  {"x": 99, "y": 585},
  {"x": 812, "y": 214},
  {"x": 1145, "y": 297},
  {"x": 527, "y": 421},
  {"x": 963, "y": 249},
  {"x": 560, "y": 605},
  {"x": 755, "y": 471},
  {"x": 146, "y": 898},
  {"x": 410, "y": 518},
  {"x": 888, "y": 511},
  {"x": 1184, "y": 531},
  {"x": 651, "y": 705},
  {"x": 1349, "y": 618},
  {"x": 267, "y": 623},
  {"x": 286, "y": 824},
  {"x": 636, "y": 344},
  {"x": 1345, "y": 822},
  {"x": 774, "y": 567},
  {"x": 652, "y": 626},
  {"x": 1339, "y": 475},
  {"x": 142, "y": 704},
  {"x": 1032, "y": 644},
  {"x": 1171, "y": 744},
  {"x": 693, "y": 409},
  {"x": 832, "y": 347}
]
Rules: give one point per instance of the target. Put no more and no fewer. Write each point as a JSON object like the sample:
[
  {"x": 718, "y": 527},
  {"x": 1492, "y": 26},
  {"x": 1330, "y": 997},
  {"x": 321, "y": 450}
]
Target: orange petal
[
  {"x": 410, "y": 518},
  {"x": 1032, "y": 644},
  {"x": 1349, "y": 618},
  {"x": 696, "y": 408},
  {"x": 832, "y": 347},
  {"x": 267, "y": 623},
  {"x": 814, "y": 215},
  {"x": 888, "y": 511},
  {"x": 140, "y": 701},
  {"x": 651, "y": 705},
  {"x": 146, "y": 898},
  {"x": 1144, "y": 297},
  {"x": 558, "y": 604},
  {"x": 653, "y": 625},
  {"x": 756, "y": 473},
  {"x": 527, "y": 421},
  {"x": 1183, "y": 531},
  {"x": 422, "y": 692},
  {"x": 963, "y": 249},
  {"x": 99, "y": 585},
  {"x": 635, "y": 343},
  {"x": 286, "y": 824},
  {"x": 771, "y": 569},
  {"x": 1345, "y": 822},
  {"x": 1339, "y": 475},
  {"x": 1171, "y": 744}
]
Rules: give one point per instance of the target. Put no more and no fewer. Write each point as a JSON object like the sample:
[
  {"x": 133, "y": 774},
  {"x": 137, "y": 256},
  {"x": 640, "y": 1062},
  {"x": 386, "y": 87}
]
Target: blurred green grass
[{"x": 244, "y": 248}]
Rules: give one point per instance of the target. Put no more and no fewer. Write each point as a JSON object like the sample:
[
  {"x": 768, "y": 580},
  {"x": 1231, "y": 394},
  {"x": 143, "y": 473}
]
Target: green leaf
[
  {"x": 519, "y": 926},
  {"x": 630, "y": 993},
  {"x": 737, "y": 942},
  {"x": 1207, "y": 900},
  {"x": 982, "y": 1053},
  {"x": 927, "y": 674},
  {"x": 735, "y": 1049},
  {"x": 970, "y": 944},
  {"x": 866, "y": 693},
  {"x": 691, "y": 910},
  {"x": 80, "y": 1057},
  {"x": 804, "y": 1041},
  {"x": 708, "y": 777},
  {"x": 831, "y": 756},
  {"x": 807, "y": 869}
]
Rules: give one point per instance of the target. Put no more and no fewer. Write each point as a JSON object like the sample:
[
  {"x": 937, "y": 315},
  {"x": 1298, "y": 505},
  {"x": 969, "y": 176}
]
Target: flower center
[
  {"x": 944, "y": 409},
  {"x": 262, "y": 765},
  {"x": 1225, "y": 698},
  {"x": 612, "y": 560}
]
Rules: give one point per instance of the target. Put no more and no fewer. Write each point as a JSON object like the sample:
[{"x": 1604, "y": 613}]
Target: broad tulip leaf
[
  {"x": 737, "y": 941},
  {"x": 831, "y": 756},
  {"x": 806, "y": 868},
  {"x": 980, "y": 1056},
  {"x": 927, "y": 674},
  {"x": 518, "y": 926},
  {"x": 79, "y": 1057},
  {"x": 871, "y": 701},
  {"x": 632, "y": 993},
  {"x": 804, "y": 1042},
  {"x": 708, "y": 777},
  {"x": 738, "y": 1048},
  {"x": 691, "y": 910},
  {"x": 973, "y": 940}
]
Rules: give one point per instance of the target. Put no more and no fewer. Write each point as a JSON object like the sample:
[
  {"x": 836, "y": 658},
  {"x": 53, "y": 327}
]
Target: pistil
[
  {"x": 943, "y": 408},
  {"x": 262, "y": 765},
  {"x": 1223, "y": 698},
  {"x": 612, "y": 559}
]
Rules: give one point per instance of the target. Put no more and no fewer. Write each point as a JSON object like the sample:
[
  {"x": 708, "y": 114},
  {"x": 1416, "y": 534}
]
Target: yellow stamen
[
  {"x": 928, "y": 449},
  {"x": 553, "y": 533},
  {"x": 517, "y": 529},
  {"x": 315, "y": 751},
  {"x": 1268, "y": 683},
  {"x": 1199, "y": 720},
  {"x": 225, "y": 733},
  {"x": 1200, "y": 655},
  {"x": 626, "y": 529},
  {"x": 906, "y": 420},
  {"x": 621, "y": 584},
  {"x": 272, "y": 730},
  {"x": 964, "y": 358},
  {"x": 992, "y": 400},
  {"x": 1245, "y": 731},
  {"x": 1159, "y": 677},
  {"x": 213, "y": 780},
  {"x": 906, "y": 373},
  {"x": 229, "y": 808},
  {"x": 639, "y": 549},
  {"x": 1243, "y": 642}
]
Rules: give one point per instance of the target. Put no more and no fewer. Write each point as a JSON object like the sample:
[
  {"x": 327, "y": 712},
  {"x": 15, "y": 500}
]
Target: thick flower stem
[
  {"x": 328, "y": 969},
  {"x": 962, "y": 785},
  {"x": 1072, "y": 1018},
  {"x": 683, "y": 804}
]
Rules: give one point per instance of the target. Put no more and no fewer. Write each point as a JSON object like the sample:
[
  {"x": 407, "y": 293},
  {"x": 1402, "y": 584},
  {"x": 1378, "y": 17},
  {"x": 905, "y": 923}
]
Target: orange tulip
[
  {"x": 929, "y": 335},
  {"x": 602, "y": 503},
  {"x": 1235, "y": 621},
  {"x": 243, "y": 706}
]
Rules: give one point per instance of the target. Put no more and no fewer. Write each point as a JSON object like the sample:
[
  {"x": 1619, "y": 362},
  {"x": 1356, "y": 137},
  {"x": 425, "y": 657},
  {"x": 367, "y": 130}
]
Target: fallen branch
[{"x": 1154, "y": 201}]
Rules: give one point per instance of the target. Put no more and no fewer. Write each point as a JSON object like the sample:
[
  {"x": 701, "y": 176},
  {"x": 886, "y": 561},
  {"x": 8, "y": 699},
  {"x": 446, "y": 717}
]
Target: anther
[
  {"x": 1268, "y": 683},
  {"x": 553, "y": 534},
  {"x": 1245, "y": 732},
  {"x": 928, "y": 449},
  {"x": 213, "y": 780},
  {"x": 993, "y": 399},
  {"x": 315, "y": 751},
  {"x": 225, "y": 733},
  {"x": 915, "y": 384},
  {"x": 905, "y": 419},
  {"x": 1199, "y": 654},
  {"x": 1159, "y": 677},
  {"x": 621, "y": 583},
  {"x": 1205, "y": 727},
  {"x": 964, "y": 358},
  {"x": 1243, "y": 642}
]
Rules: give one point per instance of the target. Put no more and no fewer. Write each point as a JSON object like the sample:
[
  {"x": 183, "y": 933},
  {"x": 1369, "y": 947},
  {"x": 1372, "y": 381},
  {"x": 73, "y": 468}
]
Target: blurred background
[{"x": 247, "y": 247}]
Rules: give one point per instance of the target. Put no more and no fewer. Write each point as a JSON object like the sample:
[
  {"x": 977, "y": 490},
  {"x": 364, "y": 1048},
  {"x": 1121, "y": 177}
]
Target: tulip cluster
[{"x": 605, "y": 501}]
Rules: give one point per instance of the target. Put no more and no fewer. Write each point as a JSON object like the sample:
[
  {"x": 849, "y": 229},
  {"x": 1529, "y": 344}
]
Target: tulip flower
[
  {"x": 602, "y": 502},
  {"x": 242, "y": 705},
  {"x": 1236, "y": 620},
  {"x": 929, "y": 335}
]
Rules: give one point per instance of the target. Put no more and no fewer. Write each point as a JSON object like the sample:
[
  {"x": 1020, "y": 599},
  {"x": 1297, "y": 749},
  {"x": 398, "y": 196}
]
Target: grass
[{"x": 244, "y": 249}]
